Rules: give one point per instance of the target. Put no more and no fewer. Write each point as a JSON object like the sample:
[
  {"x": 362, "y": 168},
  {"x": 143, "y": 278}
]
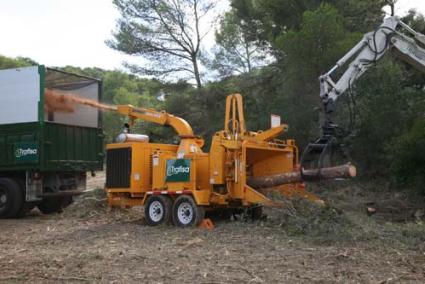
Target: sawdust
[{"x": 58, "y": 101}]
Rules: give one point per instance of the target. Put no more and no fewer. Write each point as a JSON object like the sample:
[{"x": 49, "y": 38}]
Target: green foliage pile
[{"x": 322, "y": 223}]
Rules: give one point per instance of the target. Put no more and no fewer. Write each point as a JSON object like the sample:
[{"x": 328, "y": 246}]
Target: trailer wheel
[
  {"x": 157, "y": 210},
  {"x": 256, "y": 213},
  {"x": 186, "y": 213},
  {"x": 219, "y": 214},
  {"x": 11, "y": 198}
]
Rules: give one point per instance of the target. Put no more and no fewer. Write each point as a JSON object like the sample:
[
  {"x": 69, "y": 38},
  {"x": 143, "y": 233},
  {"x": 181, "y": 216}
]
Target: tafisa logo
[
  {"x": 26, "y": 152},
  {"x": 178, "y": 170}
]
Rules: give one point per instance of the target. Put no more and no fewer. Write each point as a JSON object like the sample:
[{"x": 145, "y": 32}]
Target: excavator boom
[{"x": 393, "y": 34}]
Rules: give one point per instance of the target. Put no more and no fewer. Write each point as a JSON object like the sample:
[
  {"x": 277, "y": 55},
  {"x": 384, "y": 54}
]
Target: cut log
[{"x": 344, "y": 171}]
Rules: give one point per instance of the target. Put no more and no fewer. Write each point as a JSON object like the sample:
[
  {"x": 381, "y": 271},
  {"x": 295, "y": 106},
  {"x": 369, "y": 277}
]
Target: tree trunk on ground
[{"x": 345, "y": 171}]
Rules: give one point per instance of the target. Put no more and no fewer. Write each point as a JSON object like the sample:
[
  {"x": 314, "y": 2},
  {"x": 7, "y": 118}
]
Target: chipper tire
[
  {"x": 158, "y": 210},
  {"x": 186, "y": 213},
  {"x": 257, "y": 213},
  {"x": 11, "y": 198}
]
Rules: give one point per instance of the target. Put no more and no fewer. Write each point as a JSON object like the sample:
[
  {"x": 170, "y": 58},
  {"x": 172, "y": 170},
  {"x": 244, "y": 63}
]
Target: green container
[
  {"x": 50, "y": 147},
  {"x": 34, "y": 138}
]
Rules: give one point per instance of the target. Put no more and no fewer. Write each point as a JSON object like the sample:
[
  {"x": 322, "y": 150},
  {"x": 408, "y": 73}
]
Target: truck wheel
[
  {"x": 26, "y": 206},
  {"x": 11, "y": 198},
  {"x": 186, "y": 213},
  {"x": 157, "y": 210},
  {"x": 66, "y": 201},
  {"x": 50, "y": 205},
  {"x": 53, "y": 205}
]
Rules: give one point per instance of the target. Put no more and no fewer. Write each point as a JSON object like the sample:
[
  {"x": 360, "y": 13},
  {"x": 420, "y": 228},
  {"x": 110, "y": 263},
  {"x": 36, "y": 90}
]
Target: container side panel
[
  {"x": 73, "y": 148},
  {"x": 20, "y": 146},
  {"x": 19, "y": 95}
]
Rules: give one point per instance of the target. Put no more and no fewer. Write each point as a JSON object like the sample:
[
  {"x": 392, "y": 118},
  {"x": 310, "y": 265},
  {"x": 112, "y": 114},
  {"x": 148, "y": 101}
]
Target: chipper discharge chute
[{"x": 179, "y": 183}]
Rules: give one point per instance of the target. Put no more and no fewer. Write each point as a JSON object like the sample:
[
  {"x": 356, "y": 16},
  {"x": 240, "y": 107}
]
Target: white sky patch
[
  {"x": 65, "y": 32},
  {"x": 60, "y": 32},
  {"x": 403, "y": 6}
]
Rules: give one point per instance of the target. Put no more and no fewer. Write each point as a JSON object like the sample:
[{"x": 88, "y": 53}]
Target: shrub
[{"x": 408, "y": 164}]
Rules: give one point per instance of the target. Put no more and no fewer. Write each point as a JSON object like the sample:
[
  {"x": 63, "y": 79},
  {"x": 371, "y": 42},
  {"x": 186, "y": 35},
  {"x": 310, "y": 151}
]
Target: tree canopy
[
  {"x": 237, "y": 51},
  {"x": 167, "y": 34}
]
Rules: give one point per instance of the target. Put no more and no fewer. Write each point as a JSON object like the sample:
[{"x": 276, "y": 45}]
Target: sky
[{"x": 73, "y": 32}]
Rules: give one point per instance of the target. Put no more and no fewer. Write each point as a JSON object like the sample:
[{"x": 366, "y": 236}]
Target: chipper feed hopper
[{"x": 179, "y": 183}]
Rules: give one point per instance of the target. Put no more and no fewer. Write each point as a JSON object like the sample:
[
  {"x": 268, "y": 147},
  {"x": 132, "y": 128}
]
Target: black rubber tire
[
  {"x": 26, "y": 206},
  {"x": 165, "y": 209},
  {"x": 219, "y": 214},
  {"x": 50, "y": 205},
  {"x": 195, "y": 214},
  {"x": 14, "y": 198},
  {"x": 256, "y": 213},
  {"x": 66, "y": 201}
]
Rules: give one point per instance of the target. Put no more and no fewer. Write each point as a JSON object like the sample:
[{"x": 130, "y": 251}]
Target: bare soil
[{"x": 90, "y": 243}]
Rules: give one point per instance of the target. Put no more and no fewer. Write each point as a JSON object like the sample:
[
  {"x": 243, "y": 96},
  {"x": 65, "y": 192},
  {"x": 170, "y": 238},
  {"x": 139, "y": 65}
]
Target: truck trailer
[{"x": 45, "y": 155}]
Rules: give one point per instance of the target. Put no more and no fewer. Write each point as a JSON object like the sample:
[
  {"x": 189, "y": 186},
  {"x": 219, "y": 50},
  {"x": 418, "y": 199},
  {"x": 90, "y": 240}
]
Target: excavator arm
[
  {"x": 368, "y": 51},
  {"x": 406, "y": 43}
]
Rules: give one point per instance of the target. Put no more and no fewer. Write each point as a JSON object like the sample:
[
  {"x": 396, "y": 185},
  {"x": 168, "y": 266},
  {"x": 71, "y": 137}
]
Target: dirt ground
[{"x": 100, "y": 245}]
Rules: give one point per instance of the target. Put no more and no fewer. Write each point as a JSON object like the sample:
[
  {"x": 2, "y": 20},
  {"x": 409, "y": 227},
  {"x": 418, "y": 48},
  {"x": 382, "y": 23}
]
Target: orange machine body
[{"x": 137, "y": 170}]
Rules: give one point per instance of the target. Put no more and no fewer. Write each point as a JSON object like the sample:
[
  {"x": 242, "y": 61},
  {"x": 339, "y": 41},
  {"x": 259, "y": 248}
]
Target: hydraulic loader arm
[
  {"x": 368, "y": 51},
  {"x": 394, "y": 35},
  {"x": 180, "y": 125}
]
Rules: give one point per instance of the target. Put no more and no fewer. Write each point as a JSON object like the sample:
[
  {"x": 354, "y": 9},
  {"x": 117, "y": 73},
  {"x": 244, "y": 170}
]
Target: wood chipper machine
[{"x": 179, "y": 183}]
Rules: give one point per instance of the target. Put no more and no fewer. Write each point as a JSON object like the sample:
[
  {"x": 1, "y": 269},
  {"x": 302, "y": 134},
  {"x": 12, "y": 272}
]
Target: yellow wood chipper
[{"x": 179, "y": 183}]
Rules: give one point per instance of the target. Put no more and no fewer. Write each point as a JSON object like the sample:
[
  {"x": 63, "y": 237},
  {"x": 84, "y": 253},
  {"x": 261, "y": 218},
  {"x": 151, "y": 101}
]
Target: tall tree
[
  {"x": 271, "y": 18},
  {"x": 237, "y": 51},
  {"x": 167, "y": 33}
]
